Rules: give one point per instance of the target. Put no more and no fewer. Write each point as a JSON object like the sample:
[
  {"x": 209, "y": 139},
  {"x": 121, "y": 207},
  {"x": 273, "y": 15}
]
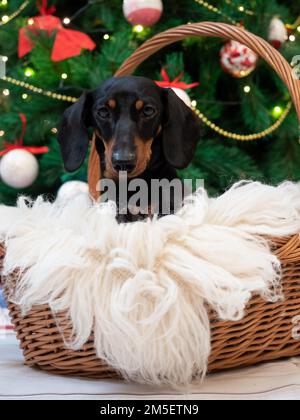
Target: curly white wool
[{"x": 143, "y": 287}]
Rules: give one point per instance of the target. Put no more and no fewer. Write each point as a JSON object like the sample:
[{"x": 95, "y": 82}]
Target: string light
[
  {"x": 30, "y": 21},
  {"x": 54, "y": 130},
  {"x": 138, "y": 29},
  {"x": 277, "y": 111},
  {"x": 292, "y": 38},
  {"x": 6, "y": 92},
  {"x": 64, "y": 76},
  {"x": 106, "y": 37},
  {"x": 24, "y": 96},
  {"x": 29, "y": 72},
  {"x": 298, "y": 29},
  {"x": 66, "y": 21},
  {"x": 247, "y": 89},
  {"x": 194, "y": 103},
  {"x": 4, "y": 59},
  {"x": 5, "y": 19},
  {"x": 2, "y": 133}
]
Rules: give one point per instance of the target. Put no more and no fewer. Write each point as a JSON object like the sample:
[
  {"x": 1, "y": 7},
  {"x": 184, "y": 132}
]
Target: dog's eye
[
  {"x": 148, "y": 111},
  {"x": 103, "y": 112}
]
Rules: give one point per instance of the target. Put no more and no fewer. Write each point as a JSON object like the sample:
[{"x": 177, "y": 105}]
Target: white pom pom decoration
[
  {"x": 142, "y": 12},
  {"x": 19, "y": 169},
  {"x": 71, "y": 189}
]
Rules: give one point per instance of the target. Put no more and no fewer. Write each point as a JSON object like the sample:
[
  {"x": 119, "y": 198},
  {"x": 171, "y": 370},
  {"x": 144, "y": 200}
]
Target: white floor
[{"x": 280, "y": 381}]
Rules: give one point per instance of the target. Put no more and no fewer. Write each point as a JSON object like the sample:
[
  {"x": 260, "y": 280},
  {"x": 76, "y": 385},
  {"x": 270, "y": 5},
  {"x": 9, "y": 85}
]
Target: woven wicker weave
[{"x": 266, "y": 331}]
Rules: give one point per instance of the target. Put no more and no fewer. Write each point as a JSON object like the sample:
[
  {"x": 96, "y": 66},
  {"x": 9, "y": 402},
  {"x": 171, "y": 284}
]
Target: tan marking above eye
[
  {"x": 139, "y": 105},
  {"x": 112, "y": 103}
]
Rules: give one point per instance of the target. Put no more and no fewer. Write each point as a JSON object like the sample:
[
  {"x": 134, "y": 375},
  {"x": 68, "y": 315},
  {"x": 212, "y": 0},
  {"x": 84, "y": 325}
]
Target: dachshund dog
[{"x": 142, "y": 129}]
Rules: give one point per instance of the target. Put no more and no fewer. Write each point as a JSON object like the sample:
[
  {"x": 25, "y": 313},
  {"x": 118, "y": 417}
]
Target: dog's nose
[{"x": 123, "y": 162}]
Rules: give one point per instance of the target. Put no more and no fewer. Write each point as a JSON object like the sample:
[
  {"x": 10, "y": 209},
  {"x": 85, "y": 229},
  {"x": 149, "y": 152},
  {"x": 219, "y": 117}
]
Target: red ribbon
[
  {"x": 35, "y": 150},
  {"x": 67, "y": 43},
  {"x": 42, "y": 6},
  {"x": 176, "y": 83}
]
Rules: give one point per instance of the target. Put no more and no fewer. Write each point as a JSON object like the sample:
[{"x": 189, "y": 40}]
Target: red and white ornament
[
  {"x": 19, "y": 169},
  {"x": 237, "y": 59},
  {"x": 278, "y": 33},
  {"x": 142, "y": 12}
]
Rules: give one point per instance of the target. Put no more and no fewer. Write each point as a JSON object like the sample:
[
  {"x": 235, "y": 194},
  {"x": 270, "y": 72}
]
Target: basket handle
[{"x": 212, "y": 29}]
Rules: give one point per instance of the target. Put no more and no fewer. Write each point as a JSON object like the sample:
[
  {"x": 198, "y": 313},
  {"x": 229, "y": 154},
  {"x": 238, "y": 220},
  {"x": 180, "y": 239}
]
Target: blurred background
[{"x": 54, "y": 50}]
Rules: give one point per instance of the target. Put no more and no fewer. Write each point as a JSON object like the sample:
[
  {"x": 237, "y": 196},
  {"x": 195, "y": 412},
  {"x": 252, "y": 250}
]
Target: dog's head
[{"x": 129, "y": 114}]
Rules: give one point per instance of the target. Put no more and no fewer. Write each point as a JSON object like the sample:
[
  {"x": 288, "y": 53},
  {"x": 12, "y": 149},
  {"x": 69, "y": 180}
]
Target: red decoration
[
  {"x": 176, "y": 83},
  {"x": 35, "y": 150},
  {"x": 68, "y": 43}
]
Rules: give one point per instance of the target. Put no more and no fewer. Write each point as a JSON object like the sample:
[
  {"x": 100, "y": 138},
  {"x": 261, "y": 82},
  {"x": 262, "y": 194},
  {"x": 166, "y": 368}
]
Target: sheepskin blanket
[{"x": 144, "y": 288}]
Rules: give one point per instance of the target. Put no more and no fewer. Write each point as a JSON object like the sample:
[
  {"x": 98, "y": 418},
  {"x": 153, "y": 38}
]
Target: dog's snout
[{"x": 124, "y": 161}]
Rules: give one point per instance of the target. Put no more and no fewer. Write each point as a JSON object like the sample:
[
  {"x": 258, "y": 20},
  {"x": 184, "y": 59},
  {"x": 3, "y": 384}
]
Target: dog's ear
[
  {"x": 181, "y": 131},
  {"x": 73, "y": 134}
]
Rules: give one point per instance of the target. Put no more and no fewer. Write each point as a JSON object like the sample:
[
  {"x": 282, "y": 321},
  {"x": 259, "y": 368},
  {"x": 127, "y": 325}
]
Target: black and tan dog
[{"x": 142, "y": 129}]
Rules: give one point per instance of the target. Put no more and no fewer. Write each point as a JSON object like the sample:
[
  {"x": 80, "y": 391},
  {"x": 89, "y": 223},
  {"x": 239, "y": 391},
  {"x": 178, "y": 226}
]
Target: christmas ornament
[
  {"x": 278, "y": 33},
  {"x": 68, "y": 43},
  {"x": 71, "y": 189},
  {"x": 142, "y": 12},
  {"x": 183, "y": 96},
  {"x": 237, "y": 59},
  {"x": 19, "y": 169},
  {"x": 177, "y": 86},
  {"x": 18, "y": 166}
]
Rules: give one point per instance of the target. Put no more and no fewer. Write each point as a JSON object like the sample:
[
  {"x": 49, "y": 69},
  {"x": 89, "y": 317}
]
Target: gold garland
[
  {"x": 14, "y": 14},
  {"x": 241, "y": 9},
  {"x": 34, "y": 89},
  {"x": 244, "y": 137},
  {"x": 217, "y": 11},
  {"x": 203, "y": 118}
]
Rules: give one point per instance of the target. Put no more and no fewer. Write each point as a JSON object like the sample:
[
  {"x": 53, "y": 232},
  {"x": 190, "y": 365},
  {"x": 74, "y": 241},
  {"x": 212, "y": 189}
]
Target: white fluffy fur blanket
[{"x": 143, "y": 287}]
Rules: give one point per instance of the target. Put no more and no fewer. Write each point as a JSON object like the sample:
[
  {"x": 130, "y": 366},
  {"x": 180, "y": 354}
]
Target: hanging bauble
[
  {"x": 72, "y": 189},
  {"x": 278, "y": 33},
  {"x": 177, "y": 86},
  {"x": 183, "y": 96},
  {"x": 142, "y": 12},
  {"x": 237, "y": 59},
  {"x": 19, "y": 169}
]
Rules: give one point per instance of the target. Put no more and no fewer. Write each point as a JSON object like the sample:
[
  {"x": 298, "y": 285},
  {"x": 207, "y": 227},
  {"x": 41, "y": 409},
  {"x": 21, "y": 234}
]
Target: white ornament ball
[
  {"x": 142, "y": 12},
  {"x": 278, "y": 33},
  {"x": 183, "y": 96},
  {"x": 19, "y": 169},
  {"x": 72, "y": 189},
  {"x": 237, "y": 59}
]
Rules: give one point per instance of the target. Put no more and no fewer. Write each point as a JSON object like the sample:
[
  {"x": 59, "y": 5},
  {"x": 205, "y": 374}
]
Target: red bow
[
  {"x": 68, "y": 43},
  {"x": 42, "y": 6},
  {"x": 36, "y": 150},
  {"x": 176, "y": 83}
]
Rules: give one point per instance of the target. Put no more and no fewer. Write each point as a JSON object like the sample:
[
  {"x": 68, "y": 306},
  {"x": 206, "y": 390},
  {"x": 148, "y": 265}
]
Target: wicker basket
[{"x": 265, "y": 333}]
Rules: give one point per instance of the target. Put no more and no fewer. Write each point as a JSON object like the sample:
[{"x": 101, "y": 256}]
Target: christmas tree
[{"x": 50, "y": 72}]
